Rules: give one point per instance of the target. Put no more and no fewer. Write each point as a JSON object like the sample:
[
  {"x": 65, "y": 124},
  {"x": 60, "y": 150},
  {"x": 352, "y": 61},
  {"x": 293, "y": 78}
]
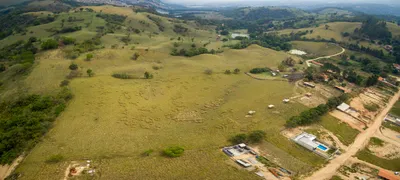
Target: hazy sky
[{"x": 283, "y": 1}]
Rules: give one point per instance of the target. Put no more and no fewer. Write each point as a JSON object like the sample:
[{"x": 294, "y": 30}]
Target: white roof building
[
  {"x": 306, "y": 140},
  {"x": 343, "y": 107}
]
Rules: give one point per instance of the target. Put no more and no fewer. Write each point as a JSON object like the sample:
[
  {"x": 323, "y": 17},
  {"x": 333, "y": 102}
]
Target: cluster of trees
[
  {"x": 193, "y": 51},
  {"x": 269, "y": 40},
  {"x": 373, "y": 52},
  {"x": 112, "y": 18},
  {"x": 24, "y": 121},
  {"x": 157, "y": 21},
  {"x": 179, "y": 29},
  {"x": 21, "y": 53},
  {"x": 259, "y": 70},
  {"x": 253, "y": 137},
  {"x": 49, "y": 44},
  {"x": 313, "y": 115},
  {"x": 374, "y": 28},
  {"x": 69, "y": 29}
]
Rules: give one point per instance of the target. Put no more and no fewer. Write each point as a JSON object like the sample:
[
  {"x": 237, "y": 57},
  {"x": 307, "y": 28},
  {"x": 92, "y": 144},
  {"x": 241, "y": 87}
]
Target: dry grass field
[
  {"x": 112, "y": 121},
  {"x": 334, "y": 30}
]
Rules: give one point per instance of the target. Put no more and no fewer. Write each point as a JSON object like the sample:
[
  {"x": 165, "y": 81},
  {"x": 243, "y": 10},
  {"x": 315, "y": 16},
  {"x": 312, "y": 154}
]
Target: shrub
[
  {"x": 89, "y": 57},
  {"x": 90, "y": 72},
  {"x": 55, "y": 158},
  {"x": 73, "y": 66},
  {"x": 135, "y": 56},
  {"x": 68, "y": 40},
  {"x": 148, "y": 75},
  {"x": 74, "y": 74},
  {"x": 122, "y": 76},
  {"x": 228, "y": 71},
  {"x": 59, "y": 109},
  {"x": 65, "y": 94},
  {"x": 175, "y": 151},
  {"x": 147, "y": 152},
  {"x": 236, "y": 71},
  {"x": 208, "y": 71},
  {"x": 239, "y": 138},
  {"x": 49, "y": 44},
  {"x": 2, "y": 67},
  {"x": 64, "y": 83},
  {"x": 376, "y": 142}
]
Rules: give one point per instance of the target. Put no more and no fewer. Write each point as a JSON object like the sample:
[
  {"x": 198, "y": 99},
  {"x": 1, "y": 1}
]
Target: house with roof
[
  {"x": 387, "y": 175},
  {"x": 311, "y": 143}
]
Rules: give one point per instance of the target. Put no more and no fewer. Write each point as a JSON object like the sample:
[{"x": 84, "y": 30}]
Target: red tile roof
[{"x": 388, "y": 175}]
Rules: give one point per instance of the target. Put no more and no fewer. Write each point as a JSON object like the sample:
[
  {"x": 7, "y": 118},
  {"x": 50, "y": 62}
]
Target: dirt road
[
  {"x": 325, "y": 57},
  {"x": 360, "y": 142}
]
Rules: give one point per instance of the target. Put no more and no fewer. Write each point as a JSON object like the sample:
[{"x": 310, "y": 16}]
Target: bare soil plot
[
  {"x": 354, "y": 123},
  {"x": 356, "y": 169}
]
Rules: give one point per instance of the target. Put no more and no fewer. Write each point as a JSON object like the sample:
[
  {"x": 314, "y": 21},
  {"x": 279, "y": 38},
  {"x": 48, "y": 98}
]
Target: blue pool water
[{"x": 322, "y": 147}]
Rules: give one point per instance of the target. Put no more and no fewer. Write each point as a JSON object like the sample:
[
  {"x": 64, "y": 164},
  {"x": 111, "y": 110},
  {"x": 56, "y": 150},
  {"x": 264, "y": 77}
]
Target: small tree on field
[
  {"x": 64, "y": 83},
  {"x": 327, "y": 26},
  {"x": 89, "y": 57},
  {"x": 148, "y": 75},
  {"x": 73, "y": 66},
  {"x": 90, "y": 72},
  {"x": 236, "y": 71},
  {"x": 228, "y": 72},
  {"x": 135, "y": 56}
]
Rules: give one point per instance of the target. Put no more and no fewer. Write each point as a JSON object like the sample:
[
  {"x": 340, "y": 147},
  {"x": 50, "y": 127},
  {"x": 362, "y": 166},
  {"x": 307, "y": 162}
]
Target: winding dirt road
[
  {"x": 325, "y": 57},
  {"x": 360, "y": 142}
]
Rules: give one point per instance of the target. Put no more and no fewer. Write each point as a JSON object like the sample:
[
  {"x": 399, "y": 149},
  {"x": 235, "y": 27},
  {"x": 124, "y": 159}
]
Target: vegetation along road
[
  {"x": 325, "y": 57},
  {"x": 362, "y": 139}
]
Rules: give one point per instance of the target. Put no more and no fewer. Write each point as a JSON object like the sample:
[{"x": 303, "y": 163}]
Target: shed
[
  {"x": 343, "y": 107},
  {"x": 387, "y": 175}
]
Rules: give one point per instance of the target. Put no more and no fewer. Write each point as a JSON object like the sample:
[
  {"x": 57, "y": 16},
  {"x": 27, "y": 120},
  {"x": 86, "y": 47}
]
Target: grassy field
[
  {"x": 113, "y": 121},
  {"x": 334, "y": 30},
  {"x": 394, "y": 28},
  {"x": 344, "y": 132},
  {"x": 316, "y": 49},
  {"x": 396, "y": 109},
  {"x": 390, "y": 164}
]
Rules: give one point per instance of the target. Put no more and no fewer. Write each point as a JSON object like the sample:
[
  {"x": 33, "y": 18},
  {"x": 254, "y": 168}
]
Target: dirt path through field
[
  {"x": 6, "y": 170},
  {"x": 325, "y": 57},
  {"x": 360, "y": 142}
]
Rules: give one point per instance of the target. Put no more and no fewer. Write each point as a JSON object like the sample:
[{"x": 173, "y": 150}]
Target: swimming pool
[{"x": 322, "y": 147}]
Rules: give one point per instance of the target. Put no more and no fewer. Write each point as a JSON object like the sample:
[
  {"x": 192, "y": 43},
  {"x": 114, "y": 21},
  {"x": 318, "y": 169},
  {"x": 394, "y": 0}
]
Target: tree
[
  {"x": 135, "y": 56},
  {"x": 289, "y": 61},
  {"x": 73, "y": 66},
  {"x": 175, "y": 151},
  {"x": 372, "y": 80},
  {"x": 228, "y": 71},
  {"x": 148, "y": 75},
  {"x": 327, "y": 26},
  {"x": 89, "y": 57},
  {"x": 236, "y": 71},
  {"x": 256, "y": 136},
  {"x": 49, "y": 44},
  {"x": 90, "y": 72},
  {"x": 239, "y": 138}
]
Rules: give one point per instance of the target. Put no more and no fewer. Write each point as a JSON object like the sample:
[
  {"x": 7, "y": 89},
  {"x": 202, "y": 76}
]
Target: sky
[{"x": 282, "y": 1}]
